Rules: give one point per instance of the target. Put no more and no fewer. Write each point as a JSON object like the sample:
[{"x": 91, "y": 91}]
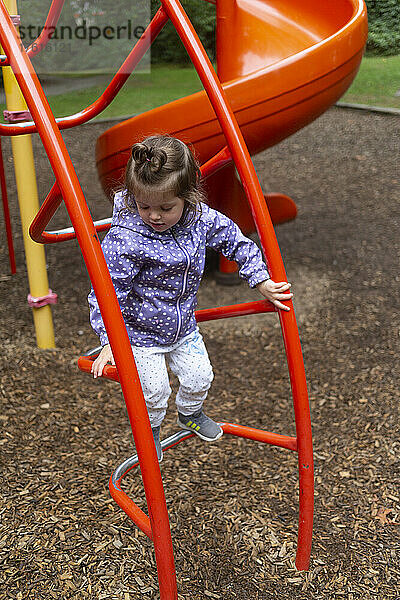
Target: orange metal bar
[
  {"x": 217, "y": 162},
  {"x": 234, "y": 310},
  {"x": 109, "y": 371},
  {"x": 104, "y": 289},
  {"x": 259, "y": 435},
  {"x": 130, "y": 508}
]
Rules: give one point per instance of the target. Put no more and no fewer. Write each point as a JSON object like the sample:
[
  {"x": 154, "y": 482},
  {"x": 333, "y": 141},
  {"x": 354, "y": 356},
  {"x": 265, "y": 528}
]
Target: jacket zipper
[{"x": 185, "y": 275}]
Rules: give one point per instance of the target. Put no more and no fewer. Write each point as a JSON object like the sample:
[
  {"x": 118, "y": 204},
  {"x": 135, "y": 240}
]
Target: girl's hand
[
  {"x": 105, "y": 356},
  {"x": 274, "y": 292}
]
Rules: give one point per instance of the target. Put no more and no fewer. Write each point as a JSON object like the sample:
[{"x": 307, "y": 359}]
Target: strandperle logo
[
  {"x": 90, "y": 33},
  {"x": 89, "y": 37}
]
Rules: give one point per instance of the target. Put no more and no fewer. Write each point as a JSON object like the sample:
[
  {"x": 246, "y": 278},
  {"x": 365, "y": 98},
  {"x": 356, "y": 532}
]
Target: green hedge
[
  {"x": 384, "y": 27},
  {"x": 168, "y": 46}
]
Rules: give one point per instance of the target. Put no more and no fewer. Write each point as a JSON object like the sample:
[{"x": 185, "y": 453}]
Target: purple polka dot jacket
[{"x": 156, "y": 275}]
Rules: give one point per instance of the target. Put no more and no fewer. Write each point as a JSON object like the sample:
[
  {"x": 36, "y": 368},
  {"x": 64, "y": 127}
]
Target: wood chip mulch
[{"x": 232, "y": 505}]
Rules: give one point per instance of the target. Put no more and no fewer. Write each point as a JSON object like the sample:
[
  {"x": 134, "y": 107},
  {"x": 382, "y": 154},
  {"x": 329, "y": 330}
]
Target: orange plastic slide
[{"x": 282, "y": 64}]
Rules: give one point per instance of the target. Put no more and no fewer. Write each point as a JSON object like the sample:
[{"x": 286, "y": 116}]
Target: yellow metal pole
[{"x": 29, "y": 205}]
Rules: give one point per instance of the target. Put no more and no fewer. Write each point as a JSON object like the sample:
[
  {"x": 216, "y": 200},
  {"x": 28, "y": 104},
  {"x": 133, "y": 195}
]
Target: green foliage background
[
  {"x": 168, "y": 46},
  {"x": 384, "y": 27}
]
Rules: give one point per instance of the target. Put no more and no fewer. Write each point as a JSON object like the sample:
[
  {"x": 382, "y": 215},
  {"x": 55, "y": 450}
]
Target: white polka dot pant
[{"x": 188, "y": 360}]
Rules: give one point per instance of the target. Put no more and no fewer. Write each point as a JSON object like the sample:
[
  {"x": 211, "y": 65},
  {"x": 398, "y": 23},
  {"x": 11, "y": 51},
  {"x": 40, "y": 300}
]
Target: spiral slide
[{"x": 282, "y": 64}]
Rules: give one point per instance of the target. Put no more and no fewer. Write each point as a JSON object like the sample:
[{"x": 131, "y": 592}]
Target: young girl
[{"x": 155, "y": 252}]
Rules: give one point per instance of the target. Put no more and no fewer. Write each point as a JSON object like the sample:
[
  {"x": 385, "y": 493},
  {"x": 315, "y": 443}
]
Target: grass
[
  {"x": 141, "y": 92},
  {"x": 377, "y": 82}
]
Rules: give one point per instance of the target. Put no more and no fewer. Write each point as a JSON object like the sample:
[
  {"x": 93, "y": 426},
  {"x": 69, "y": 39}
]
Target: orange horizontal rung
[
  {"x": 109, "y": 371},
  {"x": 234, "y": 310},
  {"x": 258, "y": 435}
]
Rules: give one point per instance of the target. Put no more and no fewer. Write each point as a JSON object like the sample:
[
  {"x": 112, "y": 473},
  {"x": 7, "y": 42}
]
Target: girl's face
[{"x": 160, "y": 212}]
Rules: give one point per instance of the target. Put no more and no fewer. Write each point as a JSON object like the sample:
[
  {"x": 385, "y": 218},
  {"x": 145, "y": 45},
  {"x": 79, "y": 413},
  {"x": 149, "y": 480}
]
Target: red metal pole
[
  {"x": 6, "y": 210},
  {"x": 272, "y": 254},
  {"x": 104, "y": 290}
]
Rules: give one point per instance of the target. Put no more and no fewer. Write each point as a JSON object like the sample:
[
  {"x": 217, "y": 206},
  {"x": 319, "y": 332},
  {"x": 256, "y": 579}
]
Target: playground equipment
[
  {"x": 349, "y": 16},
  {"x": 40, "y": 296}
]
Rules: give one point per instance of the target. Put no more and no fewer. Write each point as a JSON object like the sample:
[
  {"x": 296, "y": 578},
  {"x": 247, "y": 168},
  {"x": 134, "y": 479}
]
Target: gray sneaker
[
  {"x": 201, "y": 425},
  {"x": 157, "y": 443}
]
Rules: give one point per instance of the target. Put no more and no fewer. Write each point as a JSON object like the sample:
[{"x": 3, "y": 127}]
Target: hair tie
[{"x": 148, "y": 159}]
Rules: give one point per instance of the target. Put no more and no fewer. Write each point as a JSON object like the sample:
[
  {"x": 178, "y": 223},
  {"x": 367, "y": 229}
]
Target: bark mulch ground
[{"x": 232, "y": 505}]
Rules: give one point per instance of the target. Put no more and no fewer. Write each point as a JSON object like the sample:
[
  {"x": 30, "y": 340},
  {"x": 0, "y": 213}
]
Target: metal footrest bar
[
  {"x": 136, "y": 514},
  {"x": 130, "y": 463},
  {"x": 122, "y": 499},
  {"x": 68, "y": 233}
]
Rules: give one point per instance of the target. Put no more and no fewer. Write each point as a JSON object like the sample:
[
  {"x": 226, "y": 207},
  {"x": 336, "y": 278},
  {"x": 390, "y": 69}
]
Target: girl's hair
[{"x": 164, "y": 165}]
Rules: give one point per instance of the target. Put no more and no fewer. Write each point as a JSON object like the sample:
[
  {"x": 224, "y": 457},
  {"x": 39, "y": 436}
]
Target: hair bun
[
  {"x": 139, "y": 153},
  {"x": 158, "y": 159},
  {"x": 154, "y": 158}
]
